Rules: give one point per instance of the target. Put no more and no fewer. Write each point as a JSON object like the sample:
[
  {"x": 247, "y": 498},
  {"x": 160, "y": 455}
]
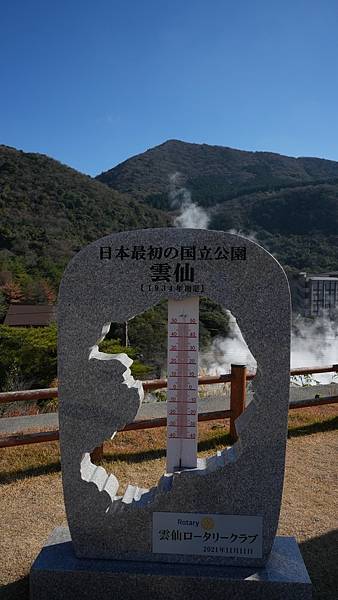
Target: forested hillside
[
  {"x": 289, "y": 204},
  {"x": 298, "y": 225},
  {"x": 48, "y": 212},
  {"x": 213, "y": 174}
]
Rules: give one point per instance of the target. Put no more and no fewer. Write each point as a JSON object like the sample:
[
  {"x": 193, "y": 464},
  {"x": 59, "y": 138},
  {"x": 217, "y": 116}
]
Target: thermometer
[{"x": 182, "y": 388}]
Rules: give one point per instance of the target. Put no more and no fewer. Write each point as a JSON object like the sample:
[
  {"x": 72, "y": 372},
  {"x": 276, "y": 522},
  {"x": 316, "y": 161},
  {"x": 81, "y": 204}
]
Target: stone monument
[{"x": 209, "y": 522}]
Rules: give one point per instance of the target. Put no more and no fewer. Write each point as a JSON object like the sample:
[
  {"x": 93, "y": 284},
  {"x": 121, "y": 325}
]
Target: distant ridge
[
  {"x": 48, "y": 211},
  {"x": 227, "y": 170},
  {"x": 290, "y": 204}
]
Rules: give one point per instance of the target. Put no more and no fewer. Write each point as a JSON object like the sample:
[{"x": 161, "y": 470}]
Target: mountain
[
  {"x": 213, "y": 174},
  {"x": 49, "y": 211},
  {"x": 289, "y": 204}
]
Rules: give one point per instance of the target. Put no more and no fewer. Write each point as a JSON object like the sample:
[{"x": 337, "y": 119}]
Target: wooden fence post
[{"x": 237, "y": 397}]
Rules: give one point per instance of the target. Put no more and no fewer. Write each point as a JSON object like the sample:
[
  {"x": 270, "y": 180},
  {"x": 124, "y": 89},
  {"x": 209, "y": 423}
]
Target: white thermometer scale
[{"x": 182, "y": 388}]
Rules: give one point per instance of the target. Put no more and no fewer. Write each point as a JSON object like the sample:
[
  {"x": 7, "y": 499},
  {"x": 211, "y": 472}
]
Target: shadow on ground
[
  {"x": 216, "y": 441},
  {"x": 320, "y": 555},
  {"x": 17, "y": 590},
  {"x": 155, "y": 453},
  {"x": 9, "y": 477},
  {"x": 320, "y": 426}
]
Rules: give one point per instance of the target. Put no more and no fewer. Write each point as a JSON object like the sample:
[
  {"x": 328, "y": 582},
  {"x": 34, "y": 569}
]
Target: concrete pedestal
[{"x": 57, "y": 574}]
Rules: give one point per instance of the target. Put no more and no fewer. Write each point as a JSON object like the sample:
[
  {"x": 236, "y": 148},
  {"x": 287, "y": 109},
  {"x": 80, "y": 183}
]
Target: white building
[{"x": 316, "y": 293}]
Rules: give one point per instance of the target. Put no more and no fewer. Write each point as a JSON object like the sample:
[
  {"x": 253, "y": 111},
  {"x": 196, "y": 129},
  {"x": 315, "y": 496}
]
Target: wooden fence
[{"x": 238, "y": 379}]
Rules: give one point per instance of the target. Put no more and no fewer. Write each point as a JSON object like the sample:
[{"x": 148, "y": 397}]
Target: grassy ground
[{"x": 31, "y": 500}]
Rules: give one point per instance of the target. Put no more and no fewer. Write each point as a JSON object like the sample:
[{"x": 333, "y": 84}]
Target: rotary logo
[{"x": 207, "y": 523}]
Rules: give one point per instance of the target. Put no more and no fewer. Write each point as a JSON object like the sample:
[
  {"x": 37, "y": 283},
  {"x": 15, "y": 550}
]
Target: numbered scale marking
[{"x": 182, "y": 390}]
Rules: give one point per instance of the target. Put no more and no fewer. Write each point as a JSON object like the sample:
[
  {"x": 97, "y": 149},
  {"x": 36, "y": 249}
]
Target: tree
[
  {"x": 48, "y": 291},
  {"x": 12, "y": 292},
  {"x": 3, "y": 306},
  {"x": 40, "y": 292}
]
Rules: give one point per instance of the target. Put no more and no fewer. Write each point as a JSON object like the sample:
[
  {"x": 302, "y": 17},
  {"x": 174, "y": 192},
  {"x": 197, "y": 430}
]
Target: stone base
[{"x": 57, "y": 574}]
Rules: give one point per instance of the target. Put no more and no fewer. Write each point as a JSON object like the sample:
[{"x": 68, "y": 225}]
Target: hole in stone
[
  {"x": 224, "y": 351},
  {"x": 140, "y": 455}
]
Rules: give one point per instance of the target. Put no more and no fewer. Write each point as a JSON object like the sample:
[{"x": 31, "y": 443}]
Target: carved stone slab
[{"x": 114, "y": 279}]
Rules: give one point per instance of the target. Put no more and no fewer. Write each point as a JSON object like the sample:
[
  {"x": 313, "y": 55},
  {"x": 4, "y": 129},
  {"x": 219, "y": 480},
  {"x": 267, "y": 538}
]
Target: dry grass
[{"x": 31, "y": 501}]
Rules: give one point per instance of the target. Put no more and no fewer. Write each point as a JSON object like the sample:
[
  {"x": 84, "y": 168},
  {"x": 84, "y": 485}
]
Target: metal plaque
[{"x": 203, "y": 534}]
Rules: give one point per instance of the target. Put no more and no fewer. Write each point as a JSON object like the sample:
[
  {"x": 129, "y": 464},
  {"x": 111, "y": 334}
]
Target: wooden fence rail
[
  {"x": 153, "y": 384},
  {"x": 238, "y": 378}
]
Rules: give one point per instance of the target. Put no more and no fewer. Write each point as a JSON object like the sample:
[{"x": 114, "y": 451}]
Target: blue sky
[{"x": 93, "y": 83}]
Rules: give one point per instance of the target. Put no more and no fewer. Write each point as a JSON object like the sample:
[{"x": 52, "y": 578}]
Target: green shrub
[
  {"x": 33, "y": 352},
  {"x": 138, "y": 369},
  {"x": 28, "y": 357}
]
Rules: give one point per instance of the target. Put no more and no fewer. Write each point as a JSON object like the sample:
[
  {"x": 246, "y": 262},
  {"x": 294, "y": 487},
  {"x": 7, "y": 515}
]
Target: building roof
[
  {"x": 328, "y": 276},
  {"x": 321, "y": 278},
  {"x": 23, "y": 315}
]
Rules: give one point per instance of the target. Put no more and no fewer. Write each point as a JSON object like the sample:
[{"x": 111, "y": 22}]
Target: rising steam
[
  {"x": 191, "y": 215},
  {"x": 226, "y": 351},
  {"x": 314, "y": 342}
]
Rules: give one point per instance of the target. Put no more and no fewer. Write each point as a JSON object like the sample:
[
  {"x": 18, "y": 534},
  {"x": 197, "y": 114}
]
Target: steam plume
[
  {"x": 191, "y": 215},
  {"x": 225, "y": 351},
  {"x": 314, "y": 342}
]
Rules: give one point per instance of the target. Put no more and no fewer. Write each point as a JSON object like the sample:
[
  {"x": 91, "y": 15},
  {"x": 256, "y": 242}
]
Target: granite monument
[{"x": 211, "y": 524}]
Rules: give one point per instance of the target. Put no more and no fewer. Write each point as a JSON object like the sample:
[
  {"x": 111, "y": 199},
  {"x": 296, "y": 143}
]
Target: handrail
[
  {"x": 310, "y": 370},
  {"x": 238, "y": 378},
  {"x": 152, "y": 384}
]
